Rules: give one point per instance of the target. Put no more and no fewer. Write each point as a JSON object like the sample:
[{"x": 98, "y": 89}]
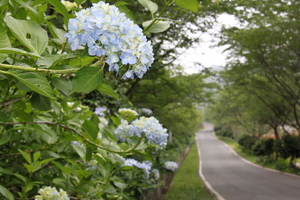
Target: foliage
[
  {"x": 49, "y": 138},
  {"x": 224, "y": 132},
  {"x": 264, "y": 147},
  {"x": 246, "y": 141},
  {"x": 289, "y": 147}
]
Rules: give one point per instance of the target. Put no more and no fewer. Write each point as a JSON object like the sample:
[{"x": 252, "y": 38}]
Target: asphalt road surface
[{"x": 232, "y": 178}]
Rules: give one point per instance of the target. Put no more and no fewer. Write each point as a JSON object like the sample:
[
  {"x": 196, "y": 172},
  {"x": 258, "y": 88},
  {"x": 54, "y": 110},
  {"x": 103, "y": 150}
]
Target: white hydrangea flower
[
  {"x": 69, "y": 5},
  {"x": 50, "y": 193},
  {"x": 170, "y": 165},
  {"x": 156, "y": 174}
]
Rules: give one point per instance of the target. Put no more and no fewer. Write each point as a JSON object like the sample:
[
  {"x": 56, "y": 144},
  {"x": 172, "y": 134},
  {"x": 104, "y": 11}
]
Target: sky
[{"x": 203, "y": 52}]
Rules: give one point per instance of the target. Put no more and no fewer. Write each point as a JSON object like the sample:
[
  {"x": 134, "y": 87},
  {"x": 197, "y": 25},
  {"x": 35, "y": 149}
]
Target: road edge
[
  {"x": 207, "y": 185},
  {"x": 254, "y": 164}
]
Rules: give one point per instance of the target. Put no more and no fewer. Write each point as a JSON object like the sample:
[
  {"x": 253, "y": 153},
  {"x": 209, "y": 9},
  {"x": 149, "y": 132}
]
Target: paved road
[{"x": 234, "y": 179}]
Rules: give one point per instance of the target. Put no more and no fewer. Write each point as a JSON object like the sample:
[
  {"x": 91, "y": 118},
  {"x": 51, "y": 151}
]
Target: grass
[
  {"x": 187, "y": 184},
  {"x": 238, "y": 149}
]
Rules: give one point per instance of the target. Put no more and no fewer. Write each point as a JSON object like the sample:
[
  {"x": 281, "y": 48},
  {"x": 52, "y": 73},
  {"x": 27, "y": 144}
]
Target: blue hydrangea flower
[
  {"x": 153, "y": 130},
  {"x": 125, "y": 131},
  {"x": 100, "y": 111},
  {"x": 151, "y": 127},
  {"x": 107, "y": 32},
  {"x": 145, "y": 165}
]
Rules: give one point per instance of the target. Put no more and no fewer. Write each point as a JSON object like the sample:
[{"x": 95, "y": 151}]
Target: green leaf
[
  {"x": 49, "y": 60},
  {"x": 23, "y": 115},
  {"x": 88, "y": 153},
  {"x": 151, "y": 6},
  {"x": 79, "y": 151},
  {"x": 106, "y": 89},
  {"x": 87, "y": 79},
  {"x": 62, "y": 85},
  {"x": 40, "y": 102},
  {"x": 4, "y": 139},
  {"x": 29, "y": 33},
  {"x": 36, "y": 156},
  {"x": 5, "y": 192},
  {"x": 157, "y": 27},
  {"x": 127, "y": 12},
  {"x": 3, "y": 117},
  {"x": 192, "y": 5},
  {"x": 26, "y": 156},
  {"x": 18, "y": 51},
  {"x": 34, "y": 80},
  {"x": 91, "y": 129},
  {"x": 4, "y": 40},
  {"x": 59, "y": 7},
  {"x": 22, "y": 178},
  {"x": 58, "y": 34}
]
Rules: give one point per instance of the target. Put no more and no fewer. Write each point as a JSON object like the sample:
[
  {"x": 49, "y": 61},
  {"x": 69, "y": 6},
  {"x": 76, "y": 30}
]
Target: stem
[
  {"x": 31, "y": 69},
  {"x": 10, "y": 102}
]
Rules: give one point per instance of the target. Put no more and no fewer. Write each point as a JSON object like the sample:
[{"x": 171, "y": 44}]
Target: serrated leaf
[
  {"x": 40, "y": 102},
  {"x": 34, "y": 80},
  {"x": 151, "y": 6},
  {"x": 6, "y": 193},
  {"x": 50, "y": 59},
  {"x": 91, "y": 129},
  {"x": 62, "y": 85},
  {"x": 158, "y": 27},
  {"x": 4, "y": 40},
  {"x": 18, "y": 51},
  {"x": 87, "y": 79},
  {"x": 192, "y": 5},
  {"x": 29, "y": 33},
  {"x": 106, "y": 89}
]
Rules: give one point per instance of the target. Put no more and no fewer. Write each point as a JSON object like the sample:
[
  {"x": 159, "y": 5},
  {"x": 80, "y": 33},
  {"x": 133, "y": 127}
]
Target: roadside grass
[
  {"x": 248, "y": 156},
  {"x": 187, "y": 184}
]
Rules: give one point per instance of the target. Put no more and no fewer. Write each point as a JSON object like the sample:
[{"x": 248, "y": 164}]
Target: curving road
[{"x": 232, "y": 178}]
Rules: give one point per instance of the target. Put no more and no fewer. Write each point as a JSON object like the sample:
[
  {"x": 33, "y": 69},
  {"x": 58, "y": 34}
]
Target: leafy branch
[{"x": 78, "y": 133}]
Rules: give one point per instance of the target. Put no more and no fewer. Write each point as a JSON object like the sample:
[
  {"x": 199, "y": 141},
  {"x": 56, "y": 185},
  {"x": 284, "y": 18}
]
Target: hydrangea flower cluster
[
  {"x": 170, "y": 165},
  {"x": 49, "y": 193},
  {"x": 146, "y": 166},
  {"x": 127, "y": 112},
  {"x": 125, "y": 131},
  {"x": 69, "y": 5},
  {"x": 151, "y": 127},
  {"x": 153, "y": 130},
  {"x": 100, "y": 111},
  {"x": 156, "y": 174},
  {"x": 109, "y": 33}
]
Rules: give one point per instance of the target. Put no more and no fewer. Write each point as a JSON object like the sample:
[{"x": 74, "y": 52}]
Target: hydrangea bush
[{"x": 48, "y": 140}]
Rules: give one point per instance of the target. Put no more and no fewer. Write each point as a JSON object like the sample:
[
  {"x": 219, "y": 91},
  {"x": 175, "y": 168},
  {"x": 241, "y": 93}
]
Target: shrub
[
  {"x": 263, "y": 147},
  {"x": 246, "y": 141}
]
